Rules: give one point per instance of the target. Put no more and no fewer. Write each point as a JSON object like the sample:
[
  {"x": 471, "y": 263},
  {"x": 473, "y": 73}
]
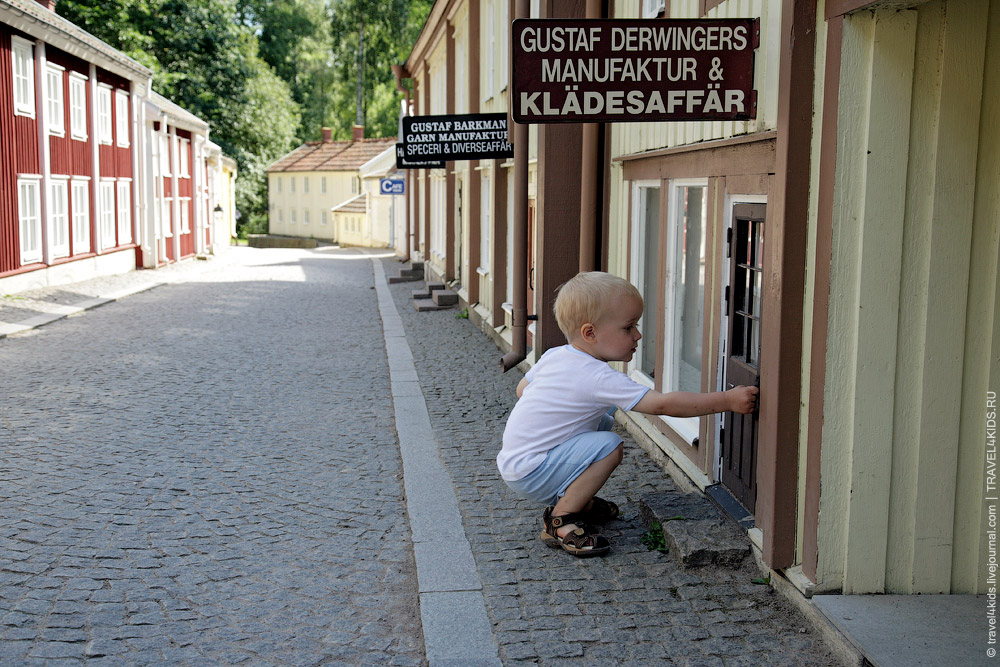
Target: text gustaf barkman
[{"x": 615, "y": 70}]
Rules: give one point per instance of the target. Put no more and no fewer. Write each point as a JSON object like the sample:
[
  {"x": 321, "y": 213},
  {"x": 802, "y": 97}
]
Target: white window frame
[
  {"x": 184, "y": 157},
  {"x": 281, "y": 216},
  {"x": 637, "y": 267},
  {"x": 305, "y": 185},
  {"x": 322, "y": 185},
  {"x": 305, "y": 217},
  {"x": 104, "y": 129},
  {"x": 167, "y": 215},
  {"x": 78, "y": 106},
  {"x": 80, "y": 205},
  {"x": 23, "y": 63},
  {"x": 121, "y": 119},
  {"x": 291, "y": 216},
  {"x": 485, "y": 226},
  {"x": 55, "y": 100},
  {"x": 106, "y": 199},
  {"x": 58, "y": 217},
  {"x": 185, "y": 206},
  {"x": 29, "y": 218},
  {"x": 324, "y": 220},
  {"x": 123, "y": 192},
  {"x": 489, "y": 68},
  {"x": 292, "y": 186}
]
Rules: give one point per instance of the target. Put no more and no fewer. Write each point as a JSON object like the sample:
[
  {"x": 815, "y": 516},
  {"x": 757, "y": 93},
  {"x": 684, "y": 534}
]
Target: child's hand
[{"x": 742, "y": 399}]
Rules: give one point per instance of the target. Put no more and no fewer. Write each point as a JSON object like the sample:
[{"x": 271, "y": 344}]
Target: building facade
[
  {"x": 79, "y": 195},
  {"x": 305, "y": 186},
  {"x": 839, "y": 250}
]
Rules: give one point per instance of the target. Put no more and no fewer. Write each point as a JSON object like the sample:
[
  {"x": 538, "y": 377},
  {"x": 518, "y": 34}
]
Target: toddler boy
[{"x": 558, "y": 448}]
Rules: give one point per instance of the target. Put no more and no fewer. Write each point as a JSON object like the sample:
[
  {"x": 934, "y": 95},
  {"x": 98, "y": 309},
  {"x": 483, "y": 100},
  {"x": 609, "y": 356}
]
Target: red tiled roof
[
  {"x": 331, "y": 155},
  {"x": 356, "y": 204}
]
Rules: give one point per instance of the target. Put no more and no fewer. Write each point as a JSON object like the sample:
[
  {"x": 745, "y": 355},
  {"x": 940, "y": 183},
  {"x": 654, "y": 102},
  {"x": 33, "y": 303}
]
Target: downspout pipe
[
  {"x": 519, "y": 261},
  {"x": 590, "y": 170},
  {"x": 401, "y": 73}
]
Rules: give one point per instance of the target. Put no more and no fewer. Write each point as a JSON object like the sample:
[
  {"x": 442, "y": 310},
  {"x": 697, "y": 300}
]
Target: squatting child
[{"x": 558, "y": 447}]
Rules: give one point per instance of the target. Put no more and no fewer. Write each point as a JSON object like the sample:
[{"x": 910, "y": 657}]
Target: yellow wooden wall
[{"x": 913, "y": 341}]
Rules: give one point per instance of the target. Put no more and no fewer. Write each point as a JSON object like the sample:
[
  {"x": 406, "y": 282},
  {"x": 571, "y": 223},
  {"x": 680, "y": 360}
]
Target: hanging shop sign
[
  {"x": 606, "y": 71},
  {"x": 478, "y": 136},
  {"x": 402, "y": 162}
]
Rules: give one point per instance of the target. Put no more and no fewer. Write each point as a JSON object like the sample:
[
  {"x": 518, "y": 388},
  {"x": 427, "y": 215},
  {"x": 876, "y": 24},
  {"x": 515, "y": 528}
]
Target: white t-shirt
[{"x": 567, "y": 394}]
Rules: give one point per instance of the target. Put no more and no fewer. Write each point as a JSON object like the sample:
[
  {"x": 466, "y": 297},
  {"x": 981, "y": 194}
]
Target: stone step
[
  {"x": 404, "y": 279},
  {"x": 444, "y": 297},
  {"x": 694, "y": 530},
  {"x": 417, "y": 266},
  {"x": 428, "y": 290}
]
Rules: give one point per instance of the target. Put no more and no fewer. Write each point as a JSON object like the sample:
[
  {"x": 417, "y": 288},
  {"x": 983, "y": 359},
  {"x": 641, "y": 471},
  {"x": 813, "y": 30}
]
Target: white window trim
[
  {"x": 30, "y": 255},
  {"x": 55, "y": 119},
  {"x": 185, "y": 207},
  {"x": 122, "y": 119},
  {"x": 80, "y": 219},
  {"x": 23, "y": 49},
  {"x": 78, "y": 123},
  {"x": 104, "y": 125},
  {"x": 183, "y": 157},
  {"x": 124, "y": 210},
  {"x": 106, "y": 213},
  {"x": 57, "y": 217}
]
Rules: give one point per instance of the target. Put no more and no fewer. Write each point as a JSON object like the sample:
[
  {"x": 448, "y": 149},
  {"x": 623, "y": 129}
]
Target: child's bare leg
[{"x": 580, "y": 492}]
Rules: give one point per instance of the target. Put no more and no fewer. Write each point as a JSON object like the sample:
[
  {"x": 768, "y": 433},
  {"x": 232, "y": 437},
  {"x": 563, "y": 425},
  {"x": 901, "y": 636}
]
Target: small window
[
  {"x": 278, "y": 180},
  {"x": 80, "y": 203},
  {"x": 184, "y": 157},
  {"x": 78, "y": 106},
  {"x": 166, "y": 214},
  {"x": 354, "y": 185},
  {"x": 323, "y": 219},
  {"x": 305, "y": 184},
  {"x": 55, "y": 111},
  {"x": 292, "y": 188},
  {"x": 58, "y": 218},
  {"x": 322, "y": 185},
  {"x": 305, "y": 217},
  {"x": 164, "y": 155},
  {"x": 24, "y": 76},
  {"x": 106, "y": 198},
  {"x": 104, "y": 114},
  {"x": 291, "y": 216},
  {"x": 121, "y": 118},
  {"x": 653, "y": 8},
  {"x": 124, "y": 212},
  {"x": 281, "y": 215},
  {"x": 29, "y": 220}
]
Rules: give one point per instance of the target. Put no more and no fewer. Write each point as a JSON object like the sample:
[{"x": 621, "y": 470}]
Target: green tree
[{"x": 370, "y": 36}]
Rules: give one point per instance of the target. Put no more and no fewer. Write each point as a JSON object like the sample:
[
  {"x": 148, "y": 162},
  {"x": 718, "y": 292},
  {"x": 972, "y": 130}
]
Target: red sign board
[{"x": 601, "y": 70}]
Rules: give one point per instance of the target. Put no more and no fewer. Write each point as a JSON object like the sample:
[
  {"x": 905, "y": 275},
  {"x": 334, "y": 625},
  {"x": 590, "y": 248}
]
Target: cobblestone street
[{"x": 208, "y": 473}]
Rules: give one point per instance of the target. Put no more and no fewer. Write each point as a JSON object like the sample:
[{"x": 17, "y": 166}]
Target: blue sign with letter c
[{"x": 391, "y": 186}]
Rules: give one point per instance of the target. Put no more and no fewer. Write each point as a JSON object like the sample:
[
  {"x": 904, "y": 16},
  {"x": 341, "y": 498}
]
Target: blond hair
[{"x": 587, "y": 297}]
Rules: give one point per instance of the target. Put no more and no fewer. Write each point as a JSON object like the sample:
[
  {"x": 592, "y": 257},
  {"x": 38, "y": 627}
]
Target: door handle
[{"x": 531, "y": 279}]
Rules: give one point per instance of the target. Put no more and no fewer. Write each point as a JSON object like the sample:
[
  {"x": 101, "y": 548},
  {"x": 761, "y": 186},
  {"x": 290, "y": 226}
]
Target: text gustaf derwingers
[{"x": 566, "y": 70}]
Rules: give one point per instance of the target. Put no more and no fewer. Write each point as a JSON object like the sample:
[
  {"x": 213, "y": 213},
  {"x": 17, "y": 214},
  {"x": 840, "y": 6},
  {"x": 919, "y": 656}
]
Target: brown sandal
[
  {"x": 601, "y": 511},
  {"x": 582, "y": 542}
]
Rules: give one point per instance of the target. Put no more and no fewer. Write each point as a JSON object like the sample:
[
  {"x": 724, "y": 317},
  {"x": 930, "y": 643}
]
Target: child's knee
[{"x": 618, "y": 454}]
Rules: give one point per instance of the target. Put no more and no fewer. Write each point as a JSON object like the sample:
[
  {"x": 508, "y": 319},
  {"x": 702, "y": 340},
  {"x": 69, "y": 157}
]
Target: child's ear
[{"x": 587, "y": 330}]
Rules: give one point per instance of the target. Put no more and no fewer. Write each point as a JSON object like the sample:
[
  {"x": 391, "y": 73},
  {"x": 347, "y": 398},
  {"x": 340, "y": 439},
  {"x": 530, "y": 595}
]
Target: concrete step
[
  {"x": 444, "y": 297},
  {"x": 417, "y": 266},
  {"x": 428, "y": 290},
  {"x": 404, "y": 279},
  {"x": 694, "y": 531}
]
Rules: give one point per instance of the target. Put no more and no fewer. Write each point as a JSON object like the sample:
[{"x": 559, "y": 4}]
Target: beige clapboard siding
[{"x": 903, "y": 400}]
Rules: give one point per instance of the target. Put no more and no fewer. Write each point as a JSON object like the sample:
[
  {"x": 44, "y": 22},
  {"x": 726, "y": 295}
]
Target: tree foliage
[{"x": 265, "y": 75}]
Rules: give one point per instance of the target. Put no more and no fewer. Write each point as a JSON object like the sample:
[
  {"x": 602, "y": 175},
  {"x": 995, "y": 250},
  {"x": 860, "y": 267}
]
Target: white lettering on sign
[
  {"x": 632, "y": 102},
  {"x": 559, "y": 39},
  {"x": 619, "y": 69}
]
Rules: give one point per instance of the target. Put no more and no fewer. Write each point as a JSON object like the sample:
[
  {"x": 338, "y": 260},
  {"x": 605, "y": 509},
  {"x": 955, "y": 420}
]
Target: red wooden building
[{"x": 98, "y": 174}]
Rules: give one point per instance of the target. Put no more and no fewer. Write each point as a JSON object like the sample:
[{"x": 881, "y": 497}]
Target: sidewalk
[{"x": 26, "y": 310}]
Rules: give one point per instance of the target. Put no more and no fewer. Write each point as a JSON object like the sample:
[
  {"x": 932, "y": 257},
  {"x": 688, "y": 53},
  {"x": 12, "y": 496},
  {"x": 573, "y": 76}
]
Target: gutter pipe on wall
[
  {"x": 401, "y": 73},
  {"x": 519, "y": 261},
  {"x": 588, "y": 177}
]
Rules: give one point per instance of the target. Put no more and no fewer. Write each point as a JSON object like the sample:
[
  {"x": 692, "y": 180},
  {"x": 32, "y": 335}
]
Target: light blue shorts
[{"x": 547, "y": 483}]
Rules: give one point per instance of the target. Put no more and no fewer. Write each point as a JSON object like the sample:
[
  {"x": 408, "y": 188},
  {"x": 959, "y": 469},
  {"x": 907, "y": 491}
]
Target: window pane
[
  {"x": 688, "y": 286},
  {"x": 650, "y": 279}
]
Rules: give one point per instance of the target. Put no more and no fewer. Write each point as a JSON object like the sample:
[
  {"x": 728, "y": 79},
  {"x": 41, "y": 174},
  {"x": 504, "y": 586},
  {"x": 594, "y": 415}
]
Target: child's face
[{"x": 616, "y": 335}]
